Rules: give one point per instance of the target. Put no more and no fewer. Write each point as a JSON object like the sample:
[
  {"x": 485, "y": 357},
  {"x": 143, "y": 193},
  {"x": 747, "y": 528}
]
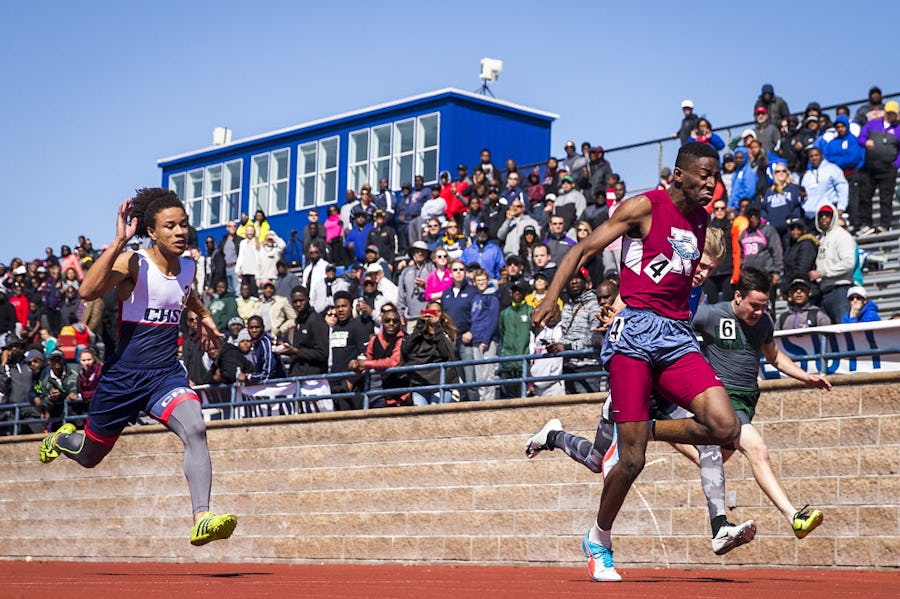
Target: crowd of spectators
[{"x": 451, "y": 271}]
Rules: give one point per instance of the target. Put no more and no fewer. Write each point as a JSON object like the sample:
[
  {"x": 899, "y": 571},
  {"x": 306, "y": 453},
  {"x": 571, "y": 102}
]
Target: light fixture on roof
[
  {"x": 490, "y": 71},
  {"x": 221, "y": 136}
]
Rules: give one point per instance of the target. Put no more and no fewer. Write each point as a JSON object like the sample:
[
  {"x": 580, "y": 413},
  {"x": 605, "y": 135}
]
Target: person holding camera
[{"x": 432, "y": 341}]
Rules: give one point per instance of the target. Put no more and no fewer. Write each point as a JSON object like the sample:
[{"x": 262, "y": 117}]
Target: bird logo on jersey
[
  {"x": 685, "y": 248},
  {"x": 684, "y": 244}
]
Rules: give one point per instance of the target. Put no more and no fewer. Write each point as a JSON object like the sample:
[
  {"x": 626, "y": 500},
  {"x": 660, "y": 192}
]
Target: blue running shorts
[
  {"x": 649, "y": 337},
  {"x": 125, "y": 391}
]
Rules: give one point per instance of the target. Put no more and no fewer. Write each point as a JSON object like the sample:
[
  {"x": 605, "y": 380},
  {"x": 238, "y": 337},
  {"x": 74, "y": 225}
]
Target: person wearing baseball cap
[
  {"x": 411, "y": 283},
  {"x": 835, "y": 263},
  {"x": 879, "y": 136},
  {"x": 766, "y": 132},
  {"x": 383, "y": 236},
  {"x": 579, "y": 313},
  {"x": 801, "y": 313},
  {"x": 775, "y": 106},
  {"x": 59, "y": 384},
  {"x": 688, "y": 123},
  {"x": 577, "y": 164},
  {"x": 862, "y": 309},
  {"x": 800, "y": 249},
  {"x": 18, "y": 368}
]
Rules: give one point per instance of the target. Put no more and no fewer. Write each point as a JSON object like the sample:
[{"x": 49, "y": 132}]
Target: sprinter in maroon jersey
[{"x": 650, "y": 343}]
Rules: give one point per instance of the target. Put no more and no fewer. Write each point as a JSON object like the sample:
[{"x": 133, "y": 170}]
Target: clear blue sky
[{"x": 95, "y": 92}]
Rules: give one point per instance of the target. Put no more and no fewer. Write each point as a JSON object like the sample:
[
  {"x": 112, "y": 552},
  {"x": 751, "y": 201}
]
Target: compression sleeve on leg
[
  {"x": 82, "y": 449},
  {"x": 712, "y": 477},
  {"x": 186, "y": 421}
]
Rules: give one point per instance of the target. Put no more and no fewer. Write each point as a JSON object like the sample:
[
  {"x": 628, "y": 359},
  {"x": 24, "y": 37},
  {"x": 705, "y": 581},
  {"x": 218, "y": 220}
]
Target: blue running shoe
[{"x": 600, "y": 561}]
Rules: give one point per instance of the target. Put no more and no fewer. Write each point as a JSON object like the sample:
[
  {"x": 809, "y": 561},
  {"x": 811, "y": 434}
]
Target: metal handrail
[
  {"x": 236, "y": 398},
  {"x": 727, "y": 128}
]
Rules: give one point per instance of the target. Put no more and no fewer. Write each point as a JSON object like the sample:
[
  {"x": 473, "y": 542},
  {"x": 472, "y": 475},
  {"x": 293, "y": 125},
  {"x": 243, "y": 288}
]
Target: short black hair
[
  {"x": 694, "y": 150},
  {"x": 753, "y": 279},
  {"x": 299, "y": 289},
  {"x": 148, "y": 202},
  {"x": 343, "y": 295}
]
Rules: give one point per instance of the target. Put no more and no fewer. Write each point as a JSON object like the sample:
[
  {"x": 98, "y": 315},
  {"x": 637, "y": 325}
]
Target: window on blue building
[
  {"x": 317, "y": 168},
  {"x": 358, "y": 159},
  {"x": 211, "y": 195},
  {"x": 269, "y": 182},
  {"x": 396, "y": 151},
  {"x": 427, "y": 138},
  {"x": 381, "y": 154}
]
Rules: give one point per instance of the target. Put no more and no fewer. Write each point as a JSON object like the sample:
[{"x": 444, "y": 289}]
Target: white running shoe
[
  {"x": 538, "y": 441},
  {"x": 733, "y": 535},
  {"x": 600, "y": 561}
]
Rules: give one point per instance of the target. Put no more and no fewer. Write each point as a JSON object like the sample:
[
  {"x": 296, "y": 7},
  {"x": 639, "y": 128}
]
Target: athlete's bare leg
[
  {"x": 632, "y": 450},
  {"x": 714, "y": 422},
  {"x": 688, "y": 451},
  {"x": 752, "y": 446}
]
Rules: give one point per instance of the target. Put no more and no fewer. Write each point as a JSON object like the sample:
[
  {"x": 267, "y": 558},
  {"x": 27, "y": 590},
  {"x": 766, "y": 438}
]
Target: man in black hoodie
[
  {"x": 347, "y": 340},
  {"x": 308, "y": 352}
]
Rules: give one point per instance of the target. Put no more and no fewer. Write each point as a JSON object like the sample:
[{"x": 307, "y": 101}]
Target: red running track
[{"x": 97, "y": 580}]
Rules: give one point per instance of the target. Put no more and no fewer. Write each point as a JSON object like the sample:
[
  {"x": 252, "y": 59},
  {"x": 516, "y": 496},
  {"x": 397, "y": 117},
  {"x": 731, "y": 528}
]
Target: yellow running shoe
[
  {"x": 212, "y": 528},
  {"x": 806, "y": 521},
  {"x": 49, "y": 451}
]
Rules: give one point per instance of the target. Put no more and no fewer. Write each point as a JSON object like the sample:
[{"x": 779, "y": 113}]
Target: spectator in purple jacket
[{"x": 881, "y": 137}]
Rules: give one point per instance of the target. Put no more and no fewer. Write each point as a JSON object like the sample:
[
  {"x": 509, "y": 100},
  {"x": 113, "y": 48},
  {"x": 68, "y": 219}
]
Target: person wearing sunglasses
[
  {"x": 439, "y": 279},
  {"x": 781, "y": 203},
  {"x": 382, "y": 355},
  {"x": 861, "y": 308}
]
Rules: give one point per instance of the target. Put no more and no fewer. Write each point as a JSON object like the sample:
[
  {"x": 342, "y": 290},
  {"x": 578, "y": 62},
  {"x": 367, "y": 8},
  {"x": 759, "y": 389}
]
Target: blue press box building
[{"x": 287, "y": 172}]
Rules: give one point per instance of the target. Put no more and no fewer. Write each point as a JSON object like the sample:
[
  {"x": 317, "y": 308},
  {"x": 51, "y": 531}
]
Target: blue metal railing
[
  {"x": 232, "y": 400},
  {"x": 234, "y": 403}
]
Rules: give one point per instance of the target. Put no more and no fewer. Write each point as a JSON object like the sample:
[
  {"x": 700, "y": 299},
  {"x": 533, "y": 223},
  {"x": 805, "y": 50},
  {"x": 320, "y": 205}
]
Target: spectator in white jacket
[
  {"x": 270, "y": 254},
  {"x": 825, "y": 184},
  {"x": 835, "y": 263},
  {"x": 313, "y": 278},
  {"x": 248, "y": 259}
]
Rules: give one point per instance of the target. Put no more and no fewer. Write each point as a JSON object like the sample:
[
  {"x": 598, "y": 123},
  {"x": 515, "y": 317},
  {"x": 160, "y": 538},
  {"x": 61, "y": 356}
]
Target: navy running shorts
[{"x": 125, "y": 391}]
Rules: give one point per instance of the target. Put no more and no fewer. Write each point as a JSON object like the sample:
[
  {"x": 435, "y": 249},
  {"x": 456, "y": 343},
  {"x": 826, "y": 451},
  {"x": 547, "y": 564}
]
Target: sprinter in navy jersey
[{"x": 154, "y": 289}]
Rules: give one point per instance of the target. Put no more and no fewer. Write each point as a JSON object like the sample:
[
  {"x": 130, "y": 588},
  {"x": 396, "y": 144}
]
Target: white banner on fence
[{"x": 841, "y": 338}]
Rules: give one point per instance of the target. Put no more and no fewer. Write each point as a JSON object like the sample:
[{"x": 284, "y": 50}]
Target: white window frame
[
  {"x": 422, "y": 149},
  {"x": 373, "y": 166},
  {"x": 358, "y": 170},
  {"x": 194, "y": 202},
  {"x": 399, "y": 154},
  {"x": 269, "y": 184},
  {"x": 318, "y": 174},
  {"x": 231, "y": 210},
  {"x": 324, "y": 170},
  {"x": 180, "y": 183}
]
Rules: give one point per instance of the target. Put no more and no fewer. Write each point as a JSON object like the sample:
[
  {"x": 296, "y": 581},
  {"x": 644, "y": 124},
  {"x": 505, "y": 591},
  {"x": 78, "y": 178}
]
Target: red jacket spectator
[{"x": 452, "y": 192}]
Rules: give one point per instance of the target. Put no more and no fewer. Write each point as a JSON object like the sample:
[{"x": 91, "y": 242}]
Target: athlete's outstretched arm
[
  {"x": 113, "y": 266},
  {"x": 632, "y": 212},
  {"x": 786, "y": 365}
]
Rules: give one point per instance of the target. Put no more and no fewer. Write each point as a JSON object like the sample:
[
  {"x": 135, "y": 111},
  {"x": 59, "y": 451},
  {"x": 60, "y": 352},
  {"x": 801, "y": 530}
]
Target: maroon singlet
[{"x": 657, "y": 270}]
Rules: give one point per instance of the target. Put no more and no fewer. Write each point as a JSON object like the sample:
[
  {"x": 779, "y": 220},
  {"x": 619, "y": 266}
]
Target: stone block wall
[{"x": 451, "y": 484}]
